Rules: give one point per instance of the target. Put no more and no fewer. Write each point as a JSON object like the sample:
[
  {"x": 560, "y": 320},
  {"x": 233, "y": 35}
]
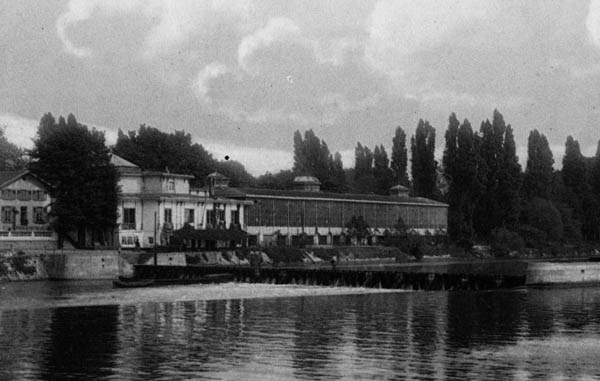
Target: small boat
[{"x": 130, "y": 282}]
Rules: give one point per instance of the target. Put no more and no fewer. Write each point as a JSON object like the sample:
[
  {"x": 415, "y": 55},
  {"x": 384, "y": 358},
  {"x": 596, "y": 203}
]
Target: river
[{"x": 76, "y": 330}]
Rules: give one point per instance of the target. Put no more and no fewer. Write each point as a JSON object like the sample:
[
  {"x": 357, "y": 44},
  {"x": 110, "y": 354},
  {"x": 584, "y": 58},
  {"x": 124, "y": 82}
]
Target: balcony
[
  {"x": 128, "y": 226},
  {"x": 26, "y": 235}
]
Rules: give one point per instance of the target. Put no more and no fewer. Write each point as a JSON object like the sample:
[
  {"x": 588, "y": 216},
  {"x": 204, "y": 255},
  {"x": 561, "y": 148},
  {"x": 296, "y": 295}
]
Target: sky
[{"x": 241, "y": 76}]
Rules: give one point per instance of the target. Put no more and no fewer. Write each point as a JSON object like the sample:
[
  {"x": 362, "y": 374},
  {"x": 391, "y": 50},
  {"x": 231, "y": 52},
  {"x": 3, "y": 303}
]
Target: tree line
[{"x": 490, "y": 196}]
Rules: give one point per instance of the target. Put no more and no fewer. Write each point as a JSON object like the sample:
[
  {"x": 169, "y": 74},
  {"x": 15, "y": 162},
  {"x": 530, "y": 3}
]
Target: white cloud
[
  {"x": 277, "y": 29},
  {"x": 177, "y": 20},
  {"x": 593, "y": 22},
  {"x": 19, "y": 130},
  {"x": 210, "y": 72},
  {"x": 81, "y": 10},
  {"x": 181, "y": 19},
  {"x": 256, "y": 160}
]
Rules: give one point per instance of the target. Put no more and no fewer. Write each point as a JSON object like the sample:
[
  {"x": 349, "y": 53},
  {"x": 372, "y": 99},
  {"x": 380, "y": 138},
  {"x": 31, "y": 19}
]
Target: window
[
  {"x": 211, "y": 218},
  {"x": 9, "y": 194},
  {"x": 171, "y": 185},
  {"x": 38, "y": 215},
  {"x": 189, "y": 216},
  {"x": 24, "y": 217},
  {"x": 235, "y": 217},
  {"x": 7, "y": 214},
  {"x": 24, "y": 195},
  {"x": 128, "y": 218},
  {"x": 168, "y": 215}
]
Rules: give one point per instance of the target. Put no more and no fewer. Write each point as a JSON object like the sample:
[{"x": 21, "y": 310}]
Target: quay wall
[{"x": 557, "y": 273}]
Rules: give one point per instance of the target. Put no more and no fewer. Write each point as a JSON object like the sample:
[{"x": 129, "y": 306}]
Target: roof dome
[{"x": 306, "y": 180}]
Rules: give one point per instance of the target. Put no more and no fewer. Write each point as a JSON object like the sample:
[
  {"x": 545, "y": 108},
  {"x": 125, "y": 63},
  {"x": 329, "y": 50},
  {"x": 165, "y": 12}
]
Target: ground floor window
[
  {"x": 322, "y": 240},
  {"x": 189, "y": 216},
  {"x": 7, "y": 214},
  {"x": 168, "y": 215},
  {"x": 128, "y": 218},
  {"x": 24, "y": 217},
  {"x": 38, "y": 215}
]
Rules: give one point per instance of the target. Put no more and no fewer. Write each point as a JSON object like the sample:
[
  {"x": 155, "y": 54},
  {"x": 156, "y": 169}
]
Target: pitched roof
[
  {"x": 260, "y": 192},
  {"x": 218, "y": 175},
  {"x": 118, "y": 161},
  {"x": 7, "y": 177}
]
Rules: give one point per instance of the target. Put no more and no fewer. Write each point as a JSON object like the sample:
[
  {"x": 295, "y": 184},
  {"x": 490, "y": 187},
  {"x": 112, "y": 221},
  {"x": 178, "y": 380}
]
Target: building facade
[
  {"x": 305, "y": 213},
  {"x": 24, "y": 207},
  {"x": 154, "y": 205}
]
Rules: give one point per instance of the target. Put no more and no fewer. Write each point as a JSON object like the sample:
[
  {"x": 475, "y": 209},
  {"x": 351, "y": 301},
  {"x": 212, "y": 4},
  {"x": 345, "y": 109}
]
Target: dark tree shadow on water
[{"x": 82, "y": 343}]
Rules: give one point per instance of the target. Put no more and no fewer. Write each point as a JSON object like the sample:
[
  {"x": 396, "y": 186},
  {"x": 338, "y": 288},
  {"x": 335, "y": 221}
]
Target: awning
[{"x": 189, "y": 232}]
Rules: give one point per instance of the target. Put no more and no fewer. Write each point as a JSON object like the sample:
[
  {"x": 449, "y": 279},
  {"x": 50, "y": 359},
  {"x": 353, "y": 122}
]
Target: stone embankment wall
[{"x": 556, "y": 273}]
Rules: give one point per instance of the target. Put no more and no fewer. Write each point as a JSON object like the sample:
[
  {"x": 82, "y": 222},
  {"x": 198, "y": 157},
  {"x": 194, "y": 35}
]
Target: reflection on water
[{"x": 441, "y": 335}]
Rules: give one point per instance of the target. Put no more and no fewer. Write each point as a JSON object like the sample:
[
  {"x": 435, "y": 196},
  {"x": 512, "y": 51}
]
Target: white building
[
  {"x": 24, "y": 206},
  {"x": 155, "y": 204}
]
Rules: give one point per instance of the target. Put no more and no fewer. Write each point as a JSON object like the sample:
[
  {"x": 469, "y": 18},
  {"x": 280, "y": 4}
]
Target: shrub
[{"x": 505, "y": 241}]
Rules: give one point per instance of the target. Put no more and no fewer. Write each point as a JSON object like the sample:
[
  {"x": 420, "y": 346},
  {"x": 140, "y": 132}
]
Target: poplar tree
[
  {"x": 423, "y": 162},
  {"x": 363, "y": 169},
  {"x": 580, "y": 197},
  {"x": 381, "y": 171},
  {"x": 399, "y": 162},
  {"x": 538, "y": 172},
  {"x": 509, "y": 182},
  {"x": 595, "y": 173},
  {"x": 450, "y": 164}
]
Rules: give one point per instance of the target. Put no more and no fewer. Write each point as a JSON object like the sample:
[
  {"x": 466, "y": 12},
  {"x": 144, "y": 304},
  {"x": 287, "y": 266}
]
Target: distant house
[
  {"x": 156, "y": 205},
  {"x": 24, "y": 207}
]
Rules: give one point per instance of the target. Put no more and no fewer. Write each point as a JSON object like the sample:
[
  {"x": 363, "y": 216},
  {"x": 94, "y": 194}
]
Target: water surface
[{"x": 51, "y": 330}]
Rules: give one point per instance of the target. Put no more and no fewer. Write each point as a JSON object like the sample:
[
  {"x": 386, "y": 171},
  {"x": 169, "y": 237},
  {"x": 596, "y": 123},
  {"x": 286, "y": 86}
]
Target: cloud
[
  {"x": 181, "y": 19},
  {"x": 278, "y": 29},
  {"x": 177, "y": 20},
  {"x": 81, "y": 10},
  {"x": 210, "y": 72},
  {"x": 19, "y": 130},
  {"x": 593, "y": 22}
]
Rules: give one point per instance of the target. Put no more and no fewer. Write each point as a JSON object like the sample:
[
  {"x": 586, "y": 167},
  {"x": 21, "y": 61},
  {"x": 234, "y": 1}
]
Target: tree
[
  {"x": 337, "y": 174},
  {"x": 363, "y": 169},
  {"x": 580, "y": 196},
  {"x": 84, "y": 184},
  {"x": 357, "y": 227},
  {"x": 155, "y": 150},
  {"x": 312, "y": 157},
  {"x": 399, "y": 158},
  {"x": 573, "y": 170},
  {"x": 236, "y": 172},
  {"x": 509, "y": 182},
  {"x": 280, "y": 180},
  {"x": 381, "y": 171},
  {"x": 11, "y": 157},
  {"x": 423, "y": 162},
  {"x": 595, "y": 173},
  {"x": 538, "y": 173},
  {"x": 450, "y": 164}
]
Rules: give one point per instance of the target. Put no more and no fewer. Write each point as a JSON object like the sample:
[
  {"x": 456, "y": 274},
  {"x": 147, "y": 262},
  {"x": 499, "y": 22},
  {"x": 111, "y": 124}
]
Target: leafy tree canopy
[
  {"x": 75, "y": 161},
  {"x": 11, "y": 156}
]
